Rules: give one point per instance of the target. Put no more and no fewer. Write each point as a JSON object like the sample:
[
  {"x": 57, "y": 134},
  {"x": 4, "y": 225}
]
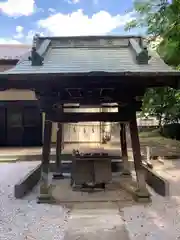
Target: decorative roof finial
[
  {"x": 140, "y": 51},
  {"x": 35, "y": 58},
  {"x": 35, "y": 40}
]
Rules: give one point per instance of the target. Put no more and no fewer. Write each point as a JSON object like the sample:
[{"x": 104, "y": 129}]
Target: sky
[{"x": 22, "y": 19}]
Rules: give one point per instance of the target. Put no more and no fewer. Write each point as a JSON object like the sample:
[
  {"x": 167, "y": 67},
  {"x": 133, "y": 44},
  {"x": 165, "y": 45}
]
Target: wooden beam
[
  {"x": 45, "y": 195},
  {"x": 90, "y": 106},
  {"x": 124, "y": 114},
  {"x": 48, "y": 82},
  {"x": 88, "y": 117},
  {"x": 58, "y": 145},
  {"x": 58, "y": 174},
  {"x": 140, "y": 173},
  {"x": 91, "y": 95},
  {"x": 124, "y": 151},
  {"x": 46, "y": 102},
  {"x": 135, "y": 144}
]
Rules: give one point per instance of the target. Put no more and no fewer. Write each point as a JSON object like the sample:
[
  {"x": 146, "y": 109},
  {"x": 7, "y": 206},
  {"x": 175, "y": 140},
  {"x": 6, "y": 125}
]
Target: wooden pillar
[
  {"x": 58, "y": 174},
  {"x": 126, "y": 170},
  {"x": 45, "y": 191},
  {"x": 62, "y": 136},
  {"x": 142, "y": 191}
]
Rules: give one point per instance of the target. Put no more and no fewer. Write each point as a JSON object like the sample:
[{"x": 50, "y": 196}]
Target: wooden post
[
  {"x": 58, "y": 174},
  {"x": 148, "y": 160},
  {"x": 45, "y": 193},
  {"x": 62, "y": 145},
  {"x": 124, "y": 152},
  {"x": 142, "y": 191}
]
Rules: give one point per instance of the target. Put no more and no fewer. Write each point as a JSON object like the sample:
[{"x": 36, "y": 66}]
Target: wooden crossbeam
[
  {"x": 88, "y": 117},
  {"x": 124, "y": 114},
  {"x": 90, "y": 106}
]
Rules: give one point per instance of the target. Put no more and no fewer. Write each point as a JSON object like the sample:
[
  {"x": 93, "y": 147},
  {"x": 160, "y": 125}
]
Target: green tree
[
  {"x": 161, "y": 19},
  {"x": 163, "y": 103}
]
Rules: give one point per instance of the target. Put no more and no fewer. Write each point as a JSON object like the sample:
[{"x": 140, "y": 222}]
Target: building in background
[
  {"x": 20, "y": 120},
  {"x": 10, "y": 55}
]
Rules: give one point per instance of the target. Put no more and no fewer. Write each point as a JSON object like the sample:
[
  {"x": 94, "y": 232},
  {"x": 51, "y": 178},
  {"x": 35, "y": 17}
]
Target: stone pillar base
[
  {"x": 126, "y": 166},
  {"x": 45, "y": 198},
  {"x": 76, "y": 188},
  {"x": 142, "y": 195},
  {"x": 57, "y": 176},
  {"x": 141, "y": 180},
  {"x": 126, "y": 172},
  {"x": 45, "y": 195}
]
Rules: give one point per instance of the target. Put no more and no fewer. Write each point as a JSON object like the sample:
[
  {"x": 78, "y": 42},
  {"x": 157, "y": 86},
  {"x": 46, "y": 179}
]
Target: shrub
[{"x": 171, "y": 131}]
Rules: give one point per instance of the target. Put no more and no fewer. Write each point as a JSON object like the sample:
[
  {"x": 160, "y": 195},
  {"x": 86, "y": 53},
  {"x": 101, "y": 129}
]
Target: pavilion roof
[{"x": 78, "y": 55}]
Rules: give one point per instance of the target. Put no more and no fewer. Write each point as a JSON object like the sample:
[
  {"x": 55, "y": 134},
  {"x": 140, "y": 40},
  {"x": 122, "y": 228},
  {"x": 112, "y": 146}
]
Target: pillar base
[
  {"x": 142, "y": 195},
  {"x": 126, "y": 173},
  {"x": 76, "y": 187},
  {"x": 45, "y": 198},
  {"x": 45, "y": 194},
  {"x": 57, "y": 176},
  {"x": 126, "y": 166}
]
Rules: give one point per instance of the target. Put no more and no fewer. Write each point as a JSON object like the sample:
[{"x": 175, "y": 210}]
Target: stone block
[
  {"x": 26, "y": 184},
  {"x": 156, "y": 182}
]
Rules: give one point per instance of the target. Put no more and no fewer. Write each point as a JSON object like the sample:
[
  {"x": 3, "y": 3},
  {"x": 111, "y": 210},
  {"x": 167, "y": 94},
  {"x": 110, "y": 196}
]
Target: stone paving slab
[{"x": 94, "y": 223}]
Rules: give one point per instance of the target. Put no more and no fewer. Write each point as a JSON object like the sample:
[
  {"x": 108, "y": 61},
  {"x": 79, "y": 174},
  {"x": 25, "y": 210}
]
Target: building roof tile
[
  {"x": 13, "y": 51},
  {"x": 110, "y": 54}
]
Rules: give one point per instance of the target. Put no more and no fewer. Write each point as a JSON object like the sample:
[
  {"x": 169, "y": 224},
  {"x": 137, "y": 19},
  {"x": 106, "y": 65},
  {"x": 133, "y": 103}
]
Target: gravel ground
[
  {"x": 25, "y": 219},
  {"x": 160, "y": 219}
]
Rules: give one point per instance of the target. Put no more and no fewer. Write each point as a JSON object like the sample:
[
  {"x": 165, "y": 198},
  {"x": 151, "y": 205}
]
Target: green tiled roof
[{"x": 83, "y": 55}]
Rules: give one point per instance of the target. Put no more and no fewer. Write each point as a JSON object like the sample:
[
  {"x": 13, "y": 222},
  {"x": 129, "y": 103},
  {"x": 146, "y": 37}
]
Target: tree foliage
[
  {"x": 164, "y": 103},
  {"x": 161, "y": 18}
]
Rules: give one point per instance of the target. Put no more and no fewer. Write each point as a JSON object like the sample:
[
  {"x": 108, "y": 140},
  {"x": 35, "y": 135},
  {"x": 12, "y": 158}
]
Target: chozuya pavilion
[{"x": 92, "y": 70}]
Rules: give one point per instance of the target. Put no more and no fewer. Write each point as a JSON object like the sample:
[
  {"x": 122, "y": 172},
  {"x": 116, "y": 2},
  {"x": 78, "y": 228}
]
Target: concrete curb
[
  {"x": 156, "y": 182},
  {"x": 25, "y": 185},
  {"x": 170, "y": 157}
]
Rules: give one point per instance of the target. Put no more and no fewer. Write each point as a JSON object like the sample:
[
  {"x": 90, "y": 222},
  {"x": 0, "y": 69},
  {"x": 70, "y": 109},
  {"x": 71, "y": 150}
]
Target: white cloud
[
  {"x": 75, "y": 1},
  {"x": 31, "y": 34},
  {"x": 52, "y": 10},
  {"x": 17, "y": 8},
  {"x": 19, "y": 32},
  {"x": 8, "y": 41},
  {"x": 77, "y": 23},
  {"x": 19, "y": 29},
  {"x": 72, "y": 1}
]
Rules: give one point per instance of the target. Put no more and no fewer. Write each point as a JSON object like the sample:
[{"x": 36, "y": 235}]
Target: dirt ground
[{"x": 159, "y": 146}]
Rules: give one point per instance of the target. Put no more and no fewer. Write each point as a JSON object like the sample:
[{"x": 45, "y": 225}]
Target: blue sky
[{"x": 23, "y": 18}]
